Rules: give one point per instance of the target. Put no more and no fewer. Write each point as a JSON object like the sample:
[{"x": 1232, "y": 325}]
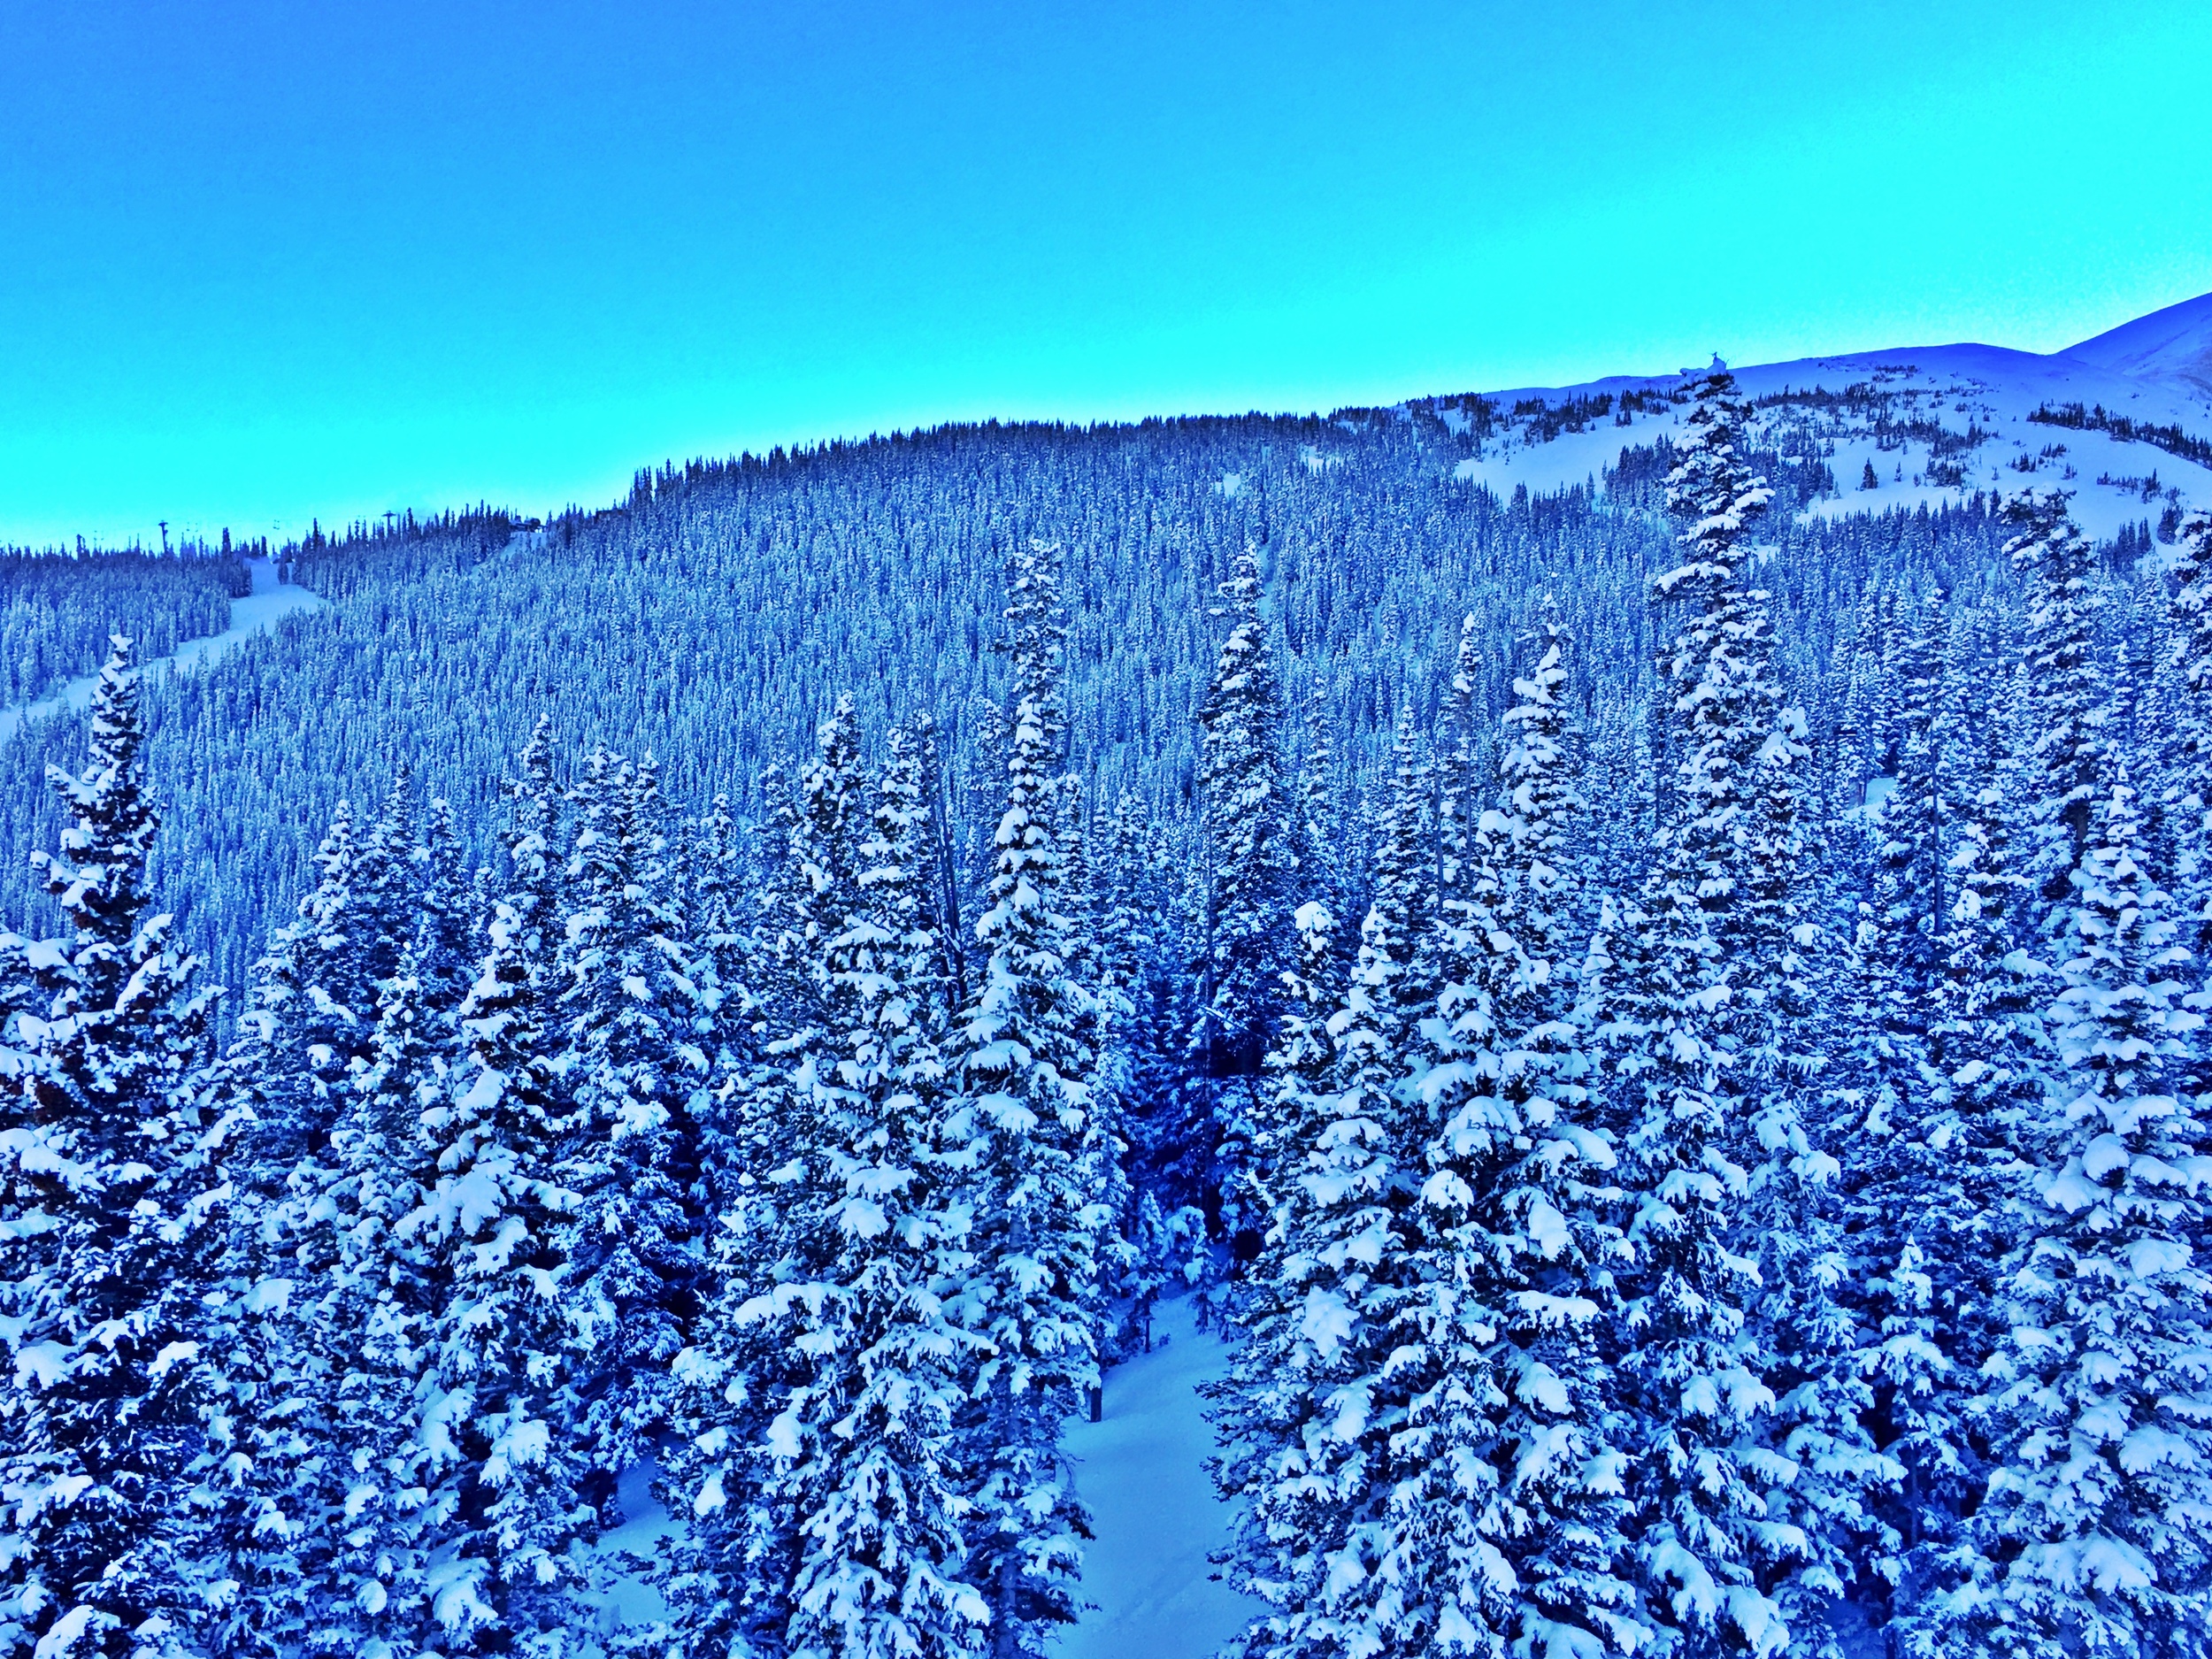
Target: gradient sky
[{"x": 260, "y": 261}]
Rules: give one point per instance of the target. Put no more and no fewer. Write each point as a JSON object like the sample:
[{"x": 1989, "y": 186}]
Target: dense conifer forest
[{"x": 1666, "y": 1029}]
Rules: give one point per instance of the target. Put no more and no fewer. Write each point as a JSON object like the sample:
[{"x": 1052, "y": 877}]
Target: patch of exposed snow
[
  {"x": 626, "y": 1598},
  {"x": 2173, "y": 346},
  {"x": 1142, "y": 1473}
]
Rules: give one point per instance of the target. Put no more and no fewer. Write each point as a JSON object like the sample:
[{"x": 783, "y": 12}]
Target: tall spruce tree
[
  {"x": 111, "y": 1199},
  {"x": 861, "y": 1447},
  {"x": 1508, "y": 1494},
  {"x": 1250, "y": 854},
  {"x": 1310, "y": 1410},
  {"x": 774, "y": 1127},
  {"x": 629, "y": 1004},
  {"x": 2095, "y": 1523},
  {"x": 1021, "y": 1128},
  {"x": 502, "y": 1470},
  {"x": 2065, "y": 699},
  {"x": 1702, "y": 956},
  {"x": 368, "y": 1321}
]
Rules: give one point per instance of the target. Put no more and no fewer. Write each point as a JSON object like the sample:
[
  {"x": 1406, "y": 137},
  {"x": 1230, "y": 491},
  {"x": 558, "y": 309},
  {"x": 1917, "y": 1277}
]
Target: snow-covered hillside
[
  {"x": 2173, "y": 346},
  {"x": 2124, "y": 421},
  {"x": 269, "y": 601}
]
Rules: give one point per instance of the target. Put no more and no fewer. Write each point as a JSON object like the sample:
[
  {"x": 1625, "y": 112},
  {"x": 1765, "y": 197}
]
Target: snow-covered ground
[
  {"x": 269, "y": 601},
  {"x": 2156, "y": 371},
  {"x": 1142, "y": 1472},
  {"x": 1142, "y": 1469},
  {"x": 629, "y": 1598}
]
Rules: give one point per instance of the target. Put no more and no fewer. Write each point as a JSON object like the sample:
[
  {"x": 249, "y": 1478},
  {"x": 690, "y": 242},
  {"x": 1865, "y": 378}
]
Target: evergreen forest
[{"x": 1665, "y": 1030}]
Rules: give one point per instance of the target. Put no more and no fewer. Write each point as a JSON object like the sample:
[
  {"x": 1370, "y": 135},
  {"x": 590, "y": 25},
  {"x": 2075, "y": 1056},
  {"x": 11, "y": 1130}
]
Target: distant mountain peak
[{"x": 2173, "y": 345}]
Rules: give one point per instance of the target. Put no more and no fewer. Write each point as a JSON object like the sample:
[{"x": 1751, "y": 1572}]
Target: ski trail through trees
[
  {"x": 269, "y": 601},
  {"x": 1142, "y": 1474}
]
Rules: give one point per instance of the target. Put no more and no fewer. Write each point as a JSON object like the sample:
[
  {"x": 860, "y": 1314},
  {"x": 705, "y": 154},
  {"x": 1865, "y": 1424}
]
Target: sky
[{"x": 263, "y": 262}]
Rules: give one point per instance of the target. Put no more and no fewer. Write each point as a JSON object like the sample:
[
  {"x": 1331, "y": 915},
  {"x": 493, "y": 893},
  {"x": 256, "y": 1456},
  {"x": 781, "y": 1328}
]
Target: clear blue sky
[{"x": 260, "y": 261}]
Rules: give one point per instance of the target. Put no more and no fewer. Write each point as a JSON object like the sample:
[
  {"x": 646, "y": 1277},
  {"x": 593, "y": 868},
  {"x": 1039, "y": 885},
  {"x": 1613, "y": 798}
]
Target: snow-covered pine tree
[
  {"x": 504, "y": 1467},
  {"x": 2095, "y": 1523},
  {"x": 287, "y": 1073},
  {"x": 1319, "y": 827},
  {"x": 2065, "y": 698},
  {"x": 1261, "y": 1416},
  {"x": 771, "y": 1122},
  {"x": 1251, "y": 854},
  {"x": 1126, "y": 974},
  {"x": 1451, "y": 938},
  {"x": 1914, "y": 818},
  {"x": 451, "y": 947},
  {"x": 1702, "y": 955},
  {"x": 629, "y": 1004},
  {"x": 2192, "y": 606},
  {"x": 1021, "y": 1128},
  {"x": 316, "y": 992},
  {"x": 111, "y": 1199},
  {"x": 310, "y": 1007},
  {"x": 361, "y": 1339},
  {"x": 1940, "y": 1199},
  {"x": 1310, "y": 1410},
  {"x": 945, "y": 900},
  {"x": 385, "y": 909},
  {"x": 1170, "y": 1149},
  {"x": 1507, "y": 1491},
  {"x": 713, "y": 909},
  {"x": 860, "y": 1449},
  {"x": 2190, "y": 619},
  {"x": 1105, "y": 1176},
  {"x": 533, "y": 867},
  {"x": 1820, "y": 1492}
]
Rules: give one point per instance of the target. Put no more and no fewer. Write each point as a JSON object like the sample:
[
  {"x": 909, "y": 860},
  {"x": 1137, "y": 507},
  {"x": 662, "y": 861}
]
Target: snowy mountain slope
[
  {"x": 1935, "y": 423},
  {"x": 2173, "y": 346},
  {"x": 261, "y": 609}
]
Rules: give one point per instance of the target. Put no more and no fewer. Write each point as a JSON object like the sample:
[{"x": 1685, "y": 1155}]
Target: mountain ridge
[
  {"x": 2173, "y": 344},
  {"x": 2124, "y": 421}
]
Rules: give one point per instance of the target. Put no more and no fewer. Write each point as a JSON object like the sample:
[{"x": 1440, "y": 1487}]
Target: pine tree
[
  {"x": 772, "y": 1124},
  {"x": 861, "y": 1445},
  {"x": 2190, "y": 619},
  {"x": 451, "y": 947},
  {"x": 1915, "y": 815},
  {"x": 385, "y": 910},
  {"x": 1022, "y": 1126},
  {"x": 371, "y": 1317},
  {"x": 1250, "y": 852},
  {"x": 1105, "y": 1177},
  {"x": 629, "y": 1004},
  {"x": 497, "y": 1412},
  {"x": 1508, "y": 1492},
  {"x": 1308, "y": 1412},
  {"x": 286, "y": 1073},
  {"x": 2065, "y": 701},
  {"x": 1705, "y": 950},
  {"x": 1931, "y": 1189},
  {"x": 1319, "y": 834},
  {"x": 2095, "y": 1520},
  {"x": 311, "y": 1011},
  {"x": 111, "y": 1196}
]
